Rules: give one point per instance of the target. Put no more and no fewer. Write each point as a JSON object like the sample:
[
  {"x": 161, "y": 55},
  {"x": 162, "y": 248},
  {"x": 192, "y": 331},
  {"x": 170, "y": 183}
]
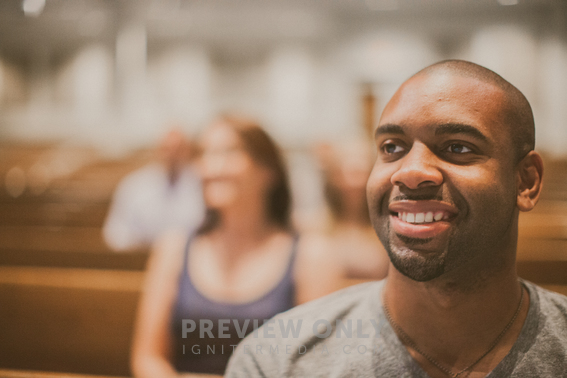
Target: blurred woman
[
  {"x": 245, "y": 264},
  {"x": 349, "y": 232}
]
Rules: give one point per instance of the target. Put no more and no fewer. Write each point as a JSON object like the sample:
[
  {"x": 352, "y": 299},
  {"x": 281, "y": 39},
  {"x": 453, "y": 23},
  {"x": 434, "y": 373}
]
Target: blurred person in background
[
  {"x": 244, "y": 264},
  {"x": 349, "y": 233},
  {"x": 160, "y": 196}
]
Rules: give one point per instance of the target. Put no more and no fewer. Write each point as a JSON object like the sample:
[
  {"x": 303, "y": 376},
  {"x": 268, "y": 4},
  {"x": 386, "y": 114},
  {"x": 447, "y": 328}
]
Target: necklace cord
[{"x": 438, "y": 365}]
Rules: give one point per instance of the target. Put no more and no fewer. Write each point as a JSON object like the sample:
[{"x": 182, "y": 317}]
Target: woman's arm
[{"x": 151, "y": 346}]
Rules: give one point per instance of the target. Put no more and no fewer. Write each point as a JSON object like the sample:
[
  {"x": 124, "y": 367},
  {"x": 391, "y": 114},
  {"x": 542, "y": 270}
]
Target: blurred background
[
  {"x": 88, "y": 88},
  {"x": 110, "y": 73}
]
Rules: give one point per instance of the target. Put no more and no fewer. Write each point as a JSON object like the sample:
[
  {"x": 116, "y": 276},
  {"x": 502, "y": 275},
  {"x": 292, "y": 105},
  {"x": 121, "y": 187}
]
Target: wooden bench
[
  {"x": 42, "y": 238},
  {"x": 133, "y": 260},
  {"x": 543, "y": 225},
  {"x": 69, "y": 172},
  {"x": 4, "y": 373},
  {"x": 54, "y": 214},
  {"x": 21, "y": 154},
  {"x": 549, "y": 206},
  {"x": 535, "y": 249},
  {"x": 67, "y": 320},
  {"x": 542, "y": 261},
  {"x": 67, "y": 323},
  {"x": 76, "y": 247}
]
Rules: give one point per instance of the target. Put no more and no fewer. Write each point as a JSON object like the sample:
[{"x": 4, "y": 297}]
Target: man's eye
[
  {"x": 391, "y": 148},
  {"x": 458, "y": 149}
]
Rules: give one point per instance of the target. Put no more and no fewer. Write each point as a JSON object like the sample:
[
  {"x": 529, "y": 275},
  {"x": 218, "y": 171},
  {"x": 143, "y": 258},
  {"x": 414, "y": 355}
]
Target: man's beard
[
  {"x": 419, "y": 267},
  {"x": 406, "y": 258},
  {"x": 423, "y": 266},
  {"x": 470, "y": 250}
]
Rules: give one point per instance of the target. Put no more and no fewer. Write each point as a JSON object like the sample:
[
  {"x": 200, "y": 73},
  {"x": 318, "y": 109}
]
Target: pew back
[{"x": 67, "y": 320}]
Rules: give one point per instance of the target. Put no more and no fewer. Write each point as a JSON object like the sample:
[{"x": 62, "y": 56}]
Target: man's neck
[{"x": 455, "y": 323}]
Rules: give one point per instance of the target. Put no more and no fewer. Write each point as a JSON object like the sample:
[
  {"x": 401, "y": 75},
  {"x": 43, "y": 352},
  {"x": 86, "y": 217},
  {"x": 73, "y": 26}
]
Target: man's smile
[
  {"x": 428, "y": 217},
  {"x": 421, "y": 219}
]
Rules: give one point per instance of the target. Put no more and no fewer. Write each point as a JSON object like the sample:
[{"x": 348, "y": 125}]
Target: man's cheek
[
  {"x": 371, "y": 195},
  {"x": 375, "y": 199}
]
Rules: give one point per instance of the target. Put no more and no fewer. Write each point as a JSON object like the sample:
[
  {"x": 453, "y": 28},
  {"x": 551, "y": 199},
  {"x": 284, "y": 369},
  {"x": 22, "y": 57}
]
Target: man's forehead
[
  {"x": 446, "y": 85},
  {"x": 449, "y": 96}
]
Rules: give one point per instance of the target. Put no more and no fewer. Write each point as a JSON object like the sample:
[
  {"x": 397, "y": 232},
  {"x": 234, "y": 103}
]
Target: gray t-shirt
[{"x": 346, "y": 334}]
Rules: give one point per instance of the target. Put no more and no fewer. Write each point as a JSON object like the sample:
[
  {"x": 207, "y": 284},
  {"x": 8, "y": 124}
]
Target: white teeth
[
  {"x": 419, "y": 217},
  {"x": 423, "y": 217}
]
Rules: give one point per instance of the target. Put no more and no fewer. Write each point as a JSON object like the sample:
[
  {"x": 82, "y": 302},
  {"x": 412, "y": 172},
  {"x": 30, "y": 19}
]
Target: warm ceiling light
[{"x": 33, "y": 8}]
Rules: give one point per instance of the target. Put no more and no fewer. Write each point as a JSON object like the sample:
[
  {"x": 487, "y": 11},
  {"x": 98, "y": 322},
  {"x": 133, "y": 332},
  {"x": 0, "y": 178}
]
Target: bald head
[{"x": 518, "y": 112}]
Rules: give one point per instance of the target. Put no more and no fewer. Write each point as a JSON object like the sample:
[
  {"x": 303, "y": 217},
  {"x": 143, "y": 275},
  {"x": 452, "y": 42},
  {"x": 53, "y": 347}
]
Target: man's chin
[
  {"x": 421, "y": 246},
  {"x": 417, "y": 265},
  {"x": 409, "y": 241}
]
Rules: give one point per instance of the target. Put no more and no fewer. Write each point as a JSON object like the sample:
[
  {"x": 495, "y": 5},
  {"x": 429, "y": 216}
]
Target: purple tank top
[{"x": 210, "y": 354}]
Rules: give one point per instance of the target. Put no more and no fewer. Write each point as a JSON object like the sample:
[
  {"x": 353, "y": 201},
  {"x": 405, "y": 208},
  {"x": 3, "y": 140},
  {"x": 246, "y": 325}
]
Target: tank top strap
[
  {"x": 288, "y": 276},
  {"x": 190, "y": 239}
]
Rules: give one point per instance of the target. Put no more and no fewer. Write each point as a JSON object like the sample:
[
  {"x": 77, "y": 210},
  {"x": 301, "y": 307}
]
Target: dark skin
[{"x": 444, "y": 148}]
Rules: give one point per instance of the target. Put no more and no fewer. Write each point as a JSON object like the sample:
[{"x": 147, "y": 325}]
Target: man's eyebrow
[
  {"x": 460, "y": 128},
  {"x": 389, "y": 128}
]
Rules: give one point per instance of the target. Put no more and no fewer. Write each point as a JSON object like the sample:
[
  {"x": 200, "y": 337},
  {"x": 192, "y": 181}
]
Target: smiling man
[{"x": 455, "y": 166}]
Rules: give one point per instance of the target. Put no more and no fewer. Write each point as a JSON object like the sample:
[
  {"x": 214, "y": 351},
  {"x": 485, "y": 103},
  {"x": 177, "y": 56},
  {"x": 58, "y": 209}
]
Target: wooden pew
[
  {"x": 542, "y": 261},
  {"x": 62, "y": 226},
  {"x": 21, "y": 154},
  {"x": 76, "y": 247},
  {"x": 537, "y": 249},
  {"x": 97, "y": 181},
  {"x": 549, "y": 206},
  {"x": 133, "y": 260},
  {"x": 67, "y": 320},
  {"x": 52, "y": 214},
  {"x": 5, "y": 373},
  {"x": 550, "y": 225},
  {"x": 88, "y": 239},
  {"x": 70, "y": 173},
  {"x": 66, "y": 323}
]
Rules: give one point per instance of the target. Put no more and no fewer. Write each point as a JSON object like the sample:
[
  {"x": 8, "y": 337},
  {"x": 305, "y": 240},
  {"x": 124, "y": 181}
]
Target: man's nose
[{"x": 419, "y": 169}]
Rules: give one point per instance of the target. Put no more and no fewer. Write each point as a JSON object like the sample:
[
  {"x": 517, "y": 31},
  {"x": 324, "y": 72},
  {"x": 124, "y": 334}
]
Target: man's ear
[{"x": 529, "y": 181}]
